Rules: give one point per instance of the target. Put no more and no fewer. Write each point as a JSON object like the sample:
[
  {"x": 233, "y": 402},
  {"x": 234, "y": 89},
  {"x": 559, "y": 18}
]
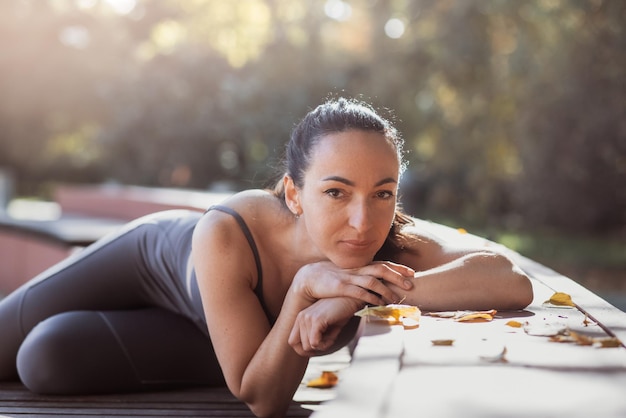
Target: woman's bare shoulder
[
  {"x": 251, "y": 201},
  {"x": 219, "y": 244},
  {"x": 256, "y": 207}
]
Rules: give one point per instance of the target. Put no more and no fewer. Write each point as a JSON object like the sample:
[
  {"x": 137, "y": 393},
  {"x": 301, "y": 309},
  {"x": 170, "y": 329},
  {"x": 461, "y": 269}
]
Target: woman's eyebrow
[
  {"x": 345, "y": 181},
  {"x": 386, "y": 181}
]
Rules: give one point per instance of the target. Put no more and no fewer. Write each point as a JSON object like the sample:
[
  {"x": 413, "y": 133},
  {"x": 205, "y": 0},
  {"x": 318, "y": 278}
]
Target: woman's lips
[{"x": 357, "y": 244}]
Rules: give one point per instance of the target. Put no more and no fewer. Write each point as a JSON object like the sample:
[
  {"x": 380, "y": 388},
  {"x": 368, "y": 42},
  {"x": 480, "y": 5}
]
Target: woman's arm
[
  {"x": 260, "y": 366},
  {"x": 451, "y": 278},
  {"x": 325, "y": 326}
]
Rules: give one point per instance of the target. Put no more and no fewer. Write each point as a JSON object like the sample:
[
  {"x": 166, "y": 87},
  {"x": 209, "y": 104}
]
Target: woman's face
[{"x": 348, "y": 199}]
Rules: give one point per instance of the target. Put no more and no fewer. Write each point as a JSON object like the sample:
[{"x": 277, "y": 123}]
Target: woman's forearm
[
  {"x": 276, "y": 370},
  {"x": 476, "y": 281}
]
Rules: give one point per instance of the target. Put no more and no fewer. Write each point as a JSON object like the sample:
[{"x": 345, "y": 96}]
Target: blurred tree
[
  {"x": 572, "y": 131},
  {"x": 511, "y": 110}
]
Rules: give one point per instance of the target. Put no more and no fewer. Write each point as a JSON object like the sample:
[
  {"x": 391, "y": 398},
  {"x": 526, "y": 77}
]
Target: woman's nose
[{"x": 360, "y": 216}]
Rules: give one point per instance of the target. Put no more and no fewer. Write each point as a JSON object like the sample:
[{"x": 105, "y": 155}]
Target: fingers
[
  {"x": 309, "y": 340},
  {"x": 317, "y": 327},
  {"x": 374, "y": 279},
  {"x": 393, "y": 273},
  {"x": 368, "y": 284}
]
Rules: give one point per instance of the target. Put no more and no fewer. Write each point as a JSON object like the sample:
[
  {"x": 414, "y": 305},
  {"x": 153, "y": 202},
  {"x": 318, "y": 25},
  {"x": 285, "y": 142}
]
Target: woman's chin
[{"x": 351, "y": 262}]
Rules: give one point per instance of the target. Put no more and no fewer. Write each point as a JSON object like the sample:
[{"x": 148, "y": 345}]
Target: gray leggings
[{"x": 121, "y": 315}]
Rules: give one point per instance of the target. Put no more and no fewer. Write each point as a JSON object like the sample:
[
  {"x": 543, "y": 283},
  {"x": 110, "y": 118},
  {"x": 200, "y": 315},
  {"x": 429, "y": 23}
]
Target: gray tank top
[{"x": 258, "y": 290}]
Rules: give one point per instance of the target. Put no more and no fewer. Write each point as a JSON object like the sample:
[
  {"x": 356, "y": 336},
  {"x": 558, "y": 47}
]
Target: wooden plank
[
  {"x": 17, "y": 401},
  {"x": 505, "y": 391},
  {"x": 493, "y": 369},
  {"x": 601, "y": 311},
  {"x": 365, "y": 384},
  {"x": 612, "y": 319}
]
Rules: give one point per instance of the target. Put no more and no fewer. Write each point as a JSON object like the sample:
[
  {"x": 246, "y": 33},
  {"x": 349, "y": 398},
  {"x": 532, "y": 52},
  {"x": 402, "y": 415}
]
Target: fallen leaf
[
  {"x": 407, "y": 315},
  {"x": 572, "y": 337},
  {"x": 462, "y": 230},
  {"x": 410, "y": 323},
  {"x": 466, "y": 316},
  {"x": 514, "y": 324},
  {"x": 608, "y": 342},
  {"x": 325, "y": 381},
  {"x": 442, "y": 314},
  {"x": 476, "y": 316},
  {"x": 442, "y": 342},
  {"x": 560, "y": 299}
]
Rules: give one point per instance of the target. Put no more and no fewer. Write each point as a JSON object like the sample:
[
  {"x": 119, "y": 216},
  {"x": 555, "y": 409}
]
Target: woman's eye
[
  {"x": 333, "y": 193},
  {"x": 384, "y": 194}
]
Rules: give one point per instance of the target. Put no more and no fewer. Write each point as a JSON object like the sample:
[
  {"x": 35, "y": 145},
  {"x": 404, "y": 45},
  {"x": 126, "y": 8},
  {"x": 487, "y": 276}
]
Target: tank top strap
[{"x": 258, "y": 290}]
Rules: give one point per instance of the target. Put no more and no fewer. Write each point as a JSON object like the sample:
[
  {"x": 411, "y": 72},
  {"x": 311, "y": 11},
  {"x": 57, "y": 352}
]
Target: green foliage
[
  {"x": 567, "y": 249},
  {"x": 513, "y": 111}
]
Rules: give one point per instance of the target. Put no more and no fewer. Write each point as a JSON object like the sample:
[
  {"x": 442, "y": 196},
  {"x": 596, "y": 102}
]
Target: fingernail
[{"x": 408, "y": 284}]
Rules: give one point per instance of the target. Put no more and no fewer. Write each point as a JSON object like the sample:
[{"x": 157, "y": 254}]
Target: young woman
[{"x": 246, "y": 293}]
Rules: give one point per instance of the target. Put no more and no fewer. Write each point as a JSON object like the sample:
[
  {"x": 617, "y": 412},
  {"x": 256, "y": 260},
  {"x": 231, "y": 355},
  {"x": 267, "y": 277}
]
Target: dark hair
[{"x": 340, "y": 115}]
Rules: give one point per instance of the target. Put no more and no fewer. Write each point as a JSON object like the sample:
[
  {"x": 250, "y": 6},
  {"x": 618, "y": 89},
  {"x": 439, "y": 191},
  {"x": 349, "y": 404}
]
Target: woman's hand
[
  {"x": 317, "y": 327},
  {"x": 366, "y": 284}
]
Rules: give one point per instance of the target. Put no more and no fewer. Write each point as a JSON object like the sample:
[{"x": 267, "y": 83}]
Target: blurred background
[{"x": 514, "y": 112}]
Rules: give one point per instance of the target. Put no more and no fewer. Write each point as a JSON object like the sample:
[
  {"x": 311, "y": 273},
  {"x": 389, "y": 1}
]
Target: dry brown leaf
[
  {"x": 466, "y": 316},
  {"x": 410, "y": 323},
  {"x": 476, "y": 316},
  {"x": 514, "y": 324},
  {"x": 608, "y": 342},
  {"x": 572, "y": 337},
  {"x": 560, "y": 299},
  {"x": 442, "y": 314},
  {"x": 407, "y": 315},
  {"x": 442, "y": 342},
  {"x": 325, "y": 381}
]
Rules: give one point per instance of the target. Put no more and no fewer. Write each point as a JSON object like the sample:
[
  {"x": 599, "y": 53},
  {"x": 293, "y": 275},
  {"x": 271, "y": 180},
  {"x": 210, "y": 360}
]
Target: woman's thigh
[
  {"x": 85, "y": 352},
  {"x": 107, "y": 275}
]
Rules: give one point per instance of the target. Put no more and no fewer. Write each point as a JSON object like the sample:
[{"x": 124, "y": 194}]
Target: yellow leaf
[
  {"x": 608, "y": 342},
  {"x": 476, "y": 316},
  {"x": 572, "y": 337},
  {"x": 325, "y": 381},
  {"x": 442, "y": 342},
  {"x": 569, "y": 336},
  {"x": 392, "y": 313},
  {"x": 560, "y": 299},
  {"x": 446, "y": 314},
  {"x": 514, "y": 324}
]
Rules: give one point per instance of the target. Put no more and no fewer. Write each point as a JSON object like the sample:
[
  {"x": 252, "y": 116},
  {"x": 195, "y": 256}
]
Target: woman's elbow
[
  {"x": 523, "y": 288},
  {"x": 515, "y": 288},
  {"x": 518, "y": 287},
  {"x": 263, "y": 406}
]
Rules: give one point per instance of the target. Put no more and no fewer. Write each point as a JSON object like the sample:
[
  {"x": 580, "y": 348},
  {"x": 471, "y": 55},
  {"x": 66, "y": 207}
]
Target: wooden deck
[
  {"x": 17, "y": 402},
  {"x": 492, "y": 369}
]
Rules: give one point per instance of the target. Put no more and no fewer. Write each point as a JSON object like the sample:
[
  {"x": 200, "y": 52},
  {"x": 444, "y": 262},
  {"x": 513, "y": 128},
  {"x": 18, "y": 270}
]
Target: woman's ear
[{"x": 292, "y": 197}]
